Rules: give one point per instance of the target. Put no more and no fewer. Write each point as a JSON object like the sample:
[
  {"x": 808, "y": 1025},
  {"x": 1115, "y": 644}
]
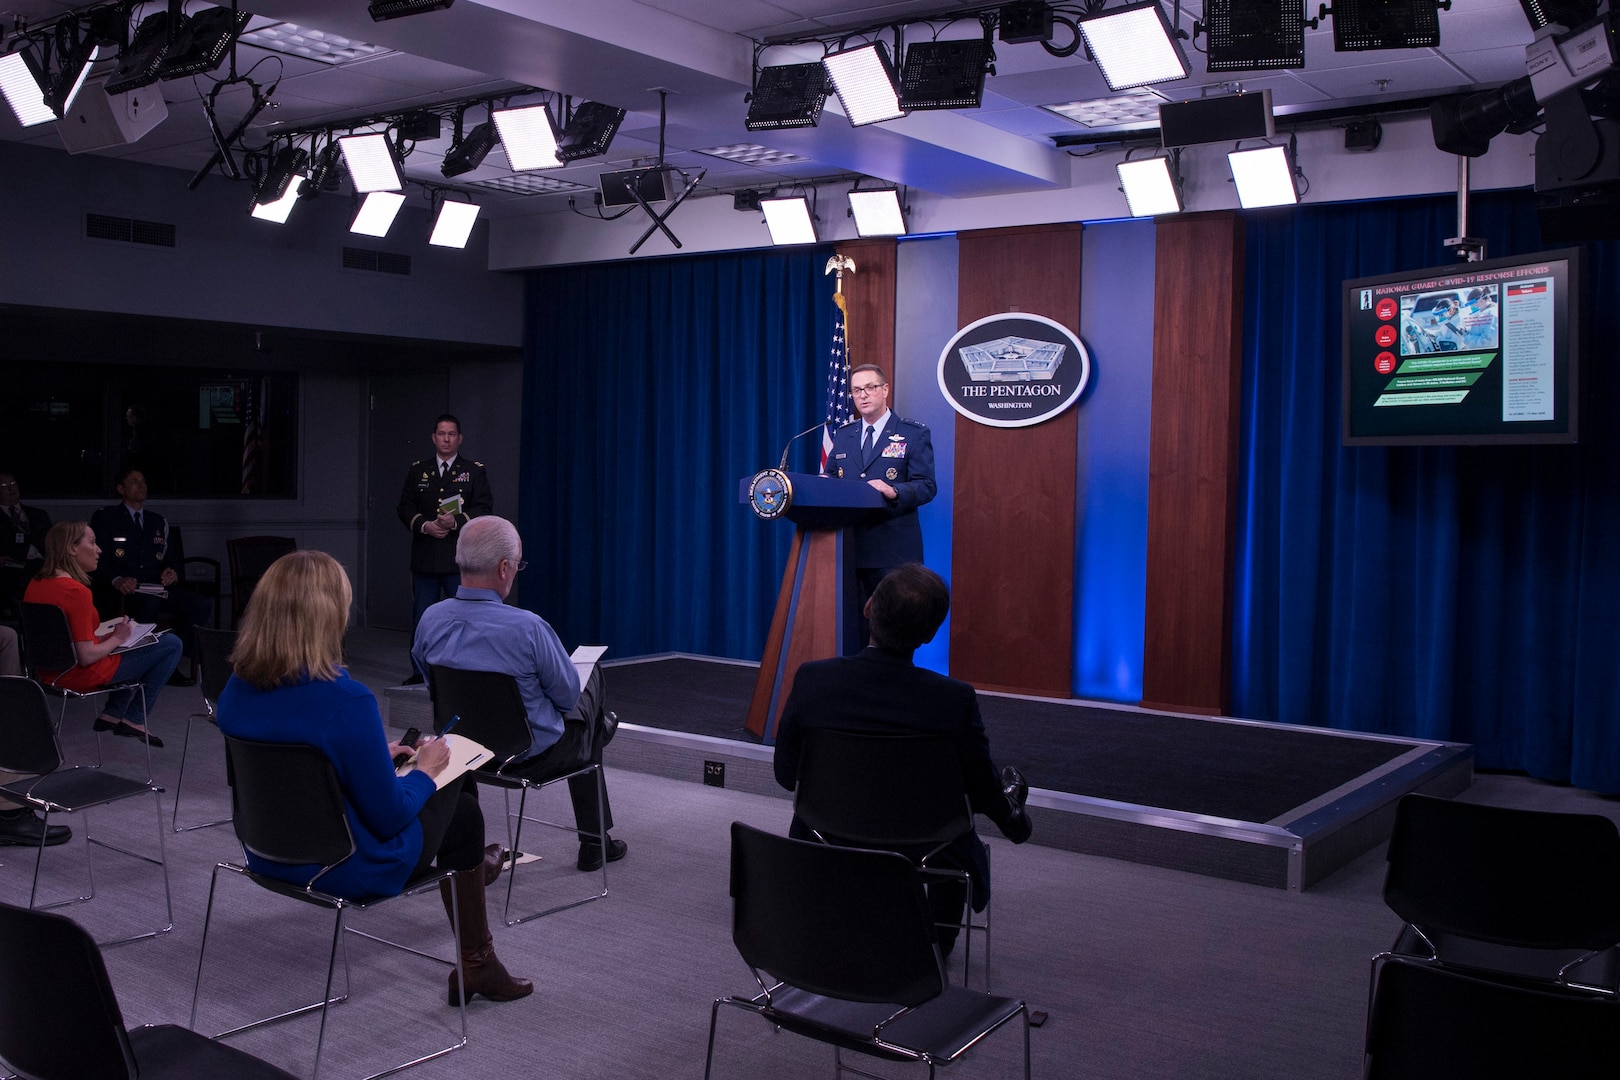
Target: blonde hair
[
  {"x": 294, "y": 622},
  {"x": 59, "y": 544}
]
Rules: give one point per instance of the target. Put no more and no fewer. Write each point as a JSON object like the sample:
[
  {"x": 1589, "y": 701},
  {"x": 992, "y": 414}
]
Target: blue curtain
[
  {"x": 1459, "y": 593},
  {"x": 649, "y": 389}
]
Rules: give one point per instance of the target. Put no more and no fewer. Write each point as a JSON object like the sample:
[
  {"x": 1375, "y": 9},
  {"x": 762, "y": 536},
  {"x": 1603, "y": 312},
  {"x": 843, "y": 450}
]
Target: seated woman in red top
[{"x": 71, "y": 553}]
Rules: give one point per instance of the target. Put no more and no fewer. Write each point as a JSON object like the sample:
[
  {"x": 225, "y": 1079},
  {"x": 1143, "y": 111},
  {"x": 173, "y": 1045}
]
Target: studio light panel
[
  {"x": 864, "y": 80},
  {"x": 789, "y": 220},
  {"x": 23, "y": 92},
  {"x": 1134, "y": 46}
]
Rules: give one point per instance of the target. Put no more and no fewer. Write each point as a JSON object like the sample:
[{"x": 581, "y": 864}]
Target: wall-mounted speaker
[{"x": 98, "y": 119}]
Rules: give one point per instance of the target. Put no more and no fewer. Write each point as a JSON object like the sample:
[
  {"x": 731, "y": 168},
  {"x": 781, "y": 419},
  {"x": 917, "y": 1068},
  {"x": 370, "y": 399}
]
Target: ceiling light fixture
[
  {"x": 141, "y": 63},
  {"x": 1360, "y": 25},
  {"x": 787, "y": 96},
  {"x": 383, "y": 10},
  {"x": 529, "y": 137},
  {"x": 370, "y": 159},
  {"x": 468, "y": 151},
  {"x": 789, "y": 220},
  {"x": 1253, "y": 35},
  {"x": 454, "y": 223},
  {"x": 1134, "y": 45},
  {"x": 877, "y": 211},
  {"x": 946, "y": 74},
  {"x": 1264, "y": 177},
  {"x": 277, "y": 179},
  {"x": 23, "y": 91},
  {"x": 377, "y": 213},
  {"x": 212, "y": 32},
  {"x": 589, "y": 131},
  {"x": 327, "y": 172},
  {"x": 864, "y": 80},
  {"x": 1151, "y": 186},
  {"x": 277, "y": 210}
]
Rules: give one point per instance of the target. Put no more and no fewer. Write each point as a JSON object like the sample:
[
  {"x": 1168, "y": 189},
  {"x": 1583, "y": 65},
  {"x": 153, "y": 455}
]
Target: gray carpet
[{"x": 1145, "y": 972}]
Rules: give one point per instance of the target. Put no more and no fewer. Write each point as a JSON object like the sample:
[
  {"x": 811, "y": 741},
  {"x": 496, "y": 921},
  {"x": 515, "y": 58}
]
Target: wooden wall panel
[
  {"x": 1012, "y": 579},
  {"x": 869, "y": 306},
  {"x": 1193, "y": 462}
]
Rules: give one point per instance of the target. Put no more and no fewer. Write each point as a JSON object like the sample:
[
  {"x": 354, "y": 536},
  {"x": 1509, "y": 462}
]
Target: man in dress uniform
[
  {"x": 22, "y": 542},
  {"x": 895, "y": 456},
  {"x": 442, "y": 493},
  {"x": 139, "y": 572}
]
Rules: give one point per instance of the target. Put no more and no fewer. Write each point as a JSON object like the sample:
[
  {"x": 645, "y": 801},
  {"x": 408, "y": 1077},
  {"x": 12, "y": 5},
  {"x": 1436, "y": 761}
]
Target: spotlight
[
  {"x": 383, "y": 10},
  {"x": 1466, "y": 125},
  {"x": 1134, "y": 45},
  {"x": 1567, "y": 13},
  {"x": 945, "y": 74},
  {"x": 1150, "y": 187},
  {"x": 877, "y": 212},
  {"x": 864, "y": 80},
  {"x": 1359, "y": 25},
  {"x": 327, "y": 172},
  {"x": 141, "y": 63},
  {"x": 377, "y": 213},
  {"x": 787, "y": 96},
  {"x": 211, "y": 33},
  {"x": 789, "y": 220},
  {"x": 529, "y": 137},
  {"x": 278, "y": 175},
  {"x": 746, "y": 199},
  {"x": 454, "y": 224},
  {"x": 370, "y": 159},
  {"x": 23, "y": 91},
  {"x": 1264, "y": 177},
  {"x": 1254, "y": 35},
  {"x": 277, "y": 210},
  {"x": 468, "y": 152},
  {"x": 589, "y": 131}
]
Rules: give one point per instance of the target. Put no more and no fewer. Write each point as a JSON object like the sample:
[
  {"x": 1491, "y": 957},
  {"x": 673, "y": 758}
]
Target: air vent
[
  {"x": 129, "y": 230},
  {"x": 379, "y": 262}
]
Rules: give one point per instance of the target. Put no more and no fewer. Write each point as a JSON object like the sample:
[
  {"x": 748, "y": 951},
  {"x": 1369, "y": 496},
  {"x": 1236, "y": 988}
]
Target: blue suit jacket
[{"x": 903, "y": 456}]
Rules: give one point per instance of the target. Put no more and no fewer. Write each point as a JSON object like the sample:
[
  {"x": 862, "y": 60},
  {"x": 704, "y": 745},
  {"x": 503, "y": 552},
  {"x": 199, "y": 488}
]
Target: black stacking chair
[
  {"x": 902, "y": 793},
  {"x": 1428, "y": 1023},
  {"x": 487, "y": 707},
  {"x": 1520, "y": 894},
  {"x": 841, "y": 943},
  {"x": 28, "y": 745},
  {"x": 250, "y": 557},
  {"x": 288, "y": 808},
  {"x": 199, "y": 572},
  {"x": 48, "y": 644},
  {"x": 214, "y": 654},
  {"x": 59, "y": 1018}
]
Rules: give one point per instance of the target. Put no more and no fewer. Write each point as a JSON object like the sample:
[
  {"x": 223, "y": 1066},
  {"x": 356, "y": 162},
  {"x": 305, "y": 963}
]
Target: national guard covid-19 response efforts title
[{"x": 1013, "y": 370}]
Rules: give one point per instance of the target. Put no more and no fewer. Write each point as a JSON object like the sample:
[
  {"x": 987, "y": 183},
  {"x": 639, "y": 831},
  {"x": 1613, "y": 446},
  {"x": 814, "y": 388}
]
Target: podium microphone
[{"x": 782, "y": 465}]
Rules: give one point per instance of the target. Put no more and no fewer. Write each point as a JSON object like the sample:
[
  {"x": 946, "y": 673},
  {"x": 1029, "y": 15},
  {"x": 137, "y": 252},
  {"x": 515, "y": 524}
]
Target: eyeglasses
[
  {"x": 868, "y": 390},
  {"x": 519, "y": 566},
  {"x": 9, "y": 485}
]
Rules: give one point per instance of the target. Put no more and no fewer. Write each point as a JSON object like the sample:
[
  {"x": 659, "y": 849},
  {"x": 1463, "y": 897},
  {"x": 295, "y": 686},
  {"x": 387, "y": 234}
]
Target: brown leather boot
[{"x": 484, "y": 971}]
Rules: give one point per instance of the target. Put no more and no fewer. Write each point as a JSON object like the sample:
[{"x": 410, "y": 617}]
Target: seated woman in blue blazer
[{"x": 289, "y": 687}]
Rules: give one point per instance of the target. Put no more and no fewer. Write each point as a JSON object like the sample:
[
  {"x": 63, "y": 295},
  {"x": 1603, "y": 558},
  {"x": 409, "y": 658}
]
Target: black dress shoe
[
  {"x": 590, "y": 853},
  {"x": 178, "y": 679},
  {"x": 127, "y": 731},
  {"x": 22, "y": 827},
  {"x": 414, "y": 680}
]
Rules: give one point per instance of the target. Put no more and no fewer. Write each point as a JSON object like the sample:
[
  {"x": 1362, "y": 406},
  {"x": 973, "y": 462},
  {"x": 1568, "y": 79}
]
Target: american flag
[
  {"x": 251, "y": 429},
  {"x": 837, "y": 382}
]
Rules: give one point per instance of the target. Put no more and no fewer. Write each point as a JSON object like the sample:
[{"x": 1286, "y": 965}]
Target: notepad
[{"x": 465, "y": 755}]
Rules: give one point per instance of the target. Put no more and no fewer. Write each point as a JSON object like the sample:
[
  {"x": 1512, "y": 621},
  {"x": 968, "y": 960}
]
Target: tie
[
  {"x": 866, "y": 447},
  {"x": 138, "y": 525},
  {"x": 444, "y": 467}
]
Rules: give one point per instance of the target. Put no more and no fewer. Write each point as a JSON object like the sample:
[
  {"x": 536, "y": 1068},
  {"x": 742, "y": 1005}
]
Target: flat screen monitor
[{"x": 1471, "y": 353}]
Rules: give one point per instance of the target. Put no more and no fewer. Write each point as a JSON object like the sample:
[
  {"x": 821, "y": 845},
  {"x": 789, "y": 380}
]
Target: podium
[{"x": 815, "y": 614}]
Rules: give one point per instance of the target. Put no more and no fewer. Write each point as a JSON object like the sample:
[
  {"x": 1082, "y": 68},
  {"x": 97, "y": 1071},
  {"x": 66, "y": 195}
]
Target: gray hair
[{"x": 484, "y": 542}]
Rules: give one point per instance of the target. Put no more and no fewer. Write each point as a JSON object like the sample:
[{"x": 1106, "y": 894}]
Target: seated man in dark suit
[
  {"x": 22, "y": 543},
  {"x": 139, "y": 565},
  {"x": 879, "y": 690}
]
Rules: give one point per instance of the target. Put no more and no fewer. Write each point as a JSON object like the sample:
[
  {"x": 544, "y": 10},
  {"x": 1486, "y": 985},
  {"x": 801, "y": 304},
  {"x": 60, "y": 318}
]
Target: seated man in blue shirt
[{"x": 476, "y": 631}]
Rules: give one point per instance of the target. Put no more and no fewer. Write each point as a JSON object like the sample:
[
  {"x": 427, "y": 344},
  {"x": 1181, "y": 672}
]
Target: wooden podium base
[{"x": 806, "y": 626}]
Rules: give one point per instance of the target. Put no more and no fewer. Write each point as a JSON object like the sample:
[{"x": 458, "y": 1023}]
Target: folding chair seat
[
  {"x": 1430, "y": 1023},
  {"x": 48, "y": 644},
  {"x": 28, "y": 745},
  {"x": 288, "y": 807},
  {"x": 841, "y": 944},
  {"x": 487, "y": 707},
  {"x": 214, "y": 654},
  {"x": 59, "y": 1017},
  {"x": 901, "y": 793},
  {"x": 1520, "y": 894}
]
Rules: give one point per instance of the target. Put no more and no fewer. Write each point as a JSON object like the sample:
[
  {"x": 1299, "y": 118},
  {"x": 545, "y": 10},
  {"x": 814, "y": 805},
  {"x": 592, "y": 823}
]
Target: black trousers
[
  {"x": 579, "y": 746},
  {"x": 452, "y": 828}
]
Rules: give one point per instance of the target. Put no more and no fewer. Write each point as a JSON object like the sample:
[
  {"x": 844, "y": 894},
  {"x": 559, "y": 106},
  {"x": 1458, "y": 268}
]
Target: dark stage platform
[{"x": 1271, "y": 804}]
